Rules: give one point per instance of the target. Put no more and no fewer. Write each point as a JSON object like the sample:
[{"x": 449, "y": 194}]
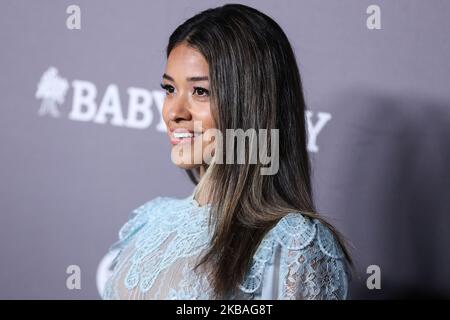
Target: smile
[{"x": 183, "y": 137}]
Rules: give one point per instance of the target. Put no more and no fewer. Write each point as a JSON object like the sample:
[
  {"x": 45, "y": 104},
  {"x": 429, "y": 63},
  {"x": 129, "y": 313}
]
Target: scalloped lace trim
[
  {"x": 294, "y": 232},
  {"x": 308, "y": 249}
]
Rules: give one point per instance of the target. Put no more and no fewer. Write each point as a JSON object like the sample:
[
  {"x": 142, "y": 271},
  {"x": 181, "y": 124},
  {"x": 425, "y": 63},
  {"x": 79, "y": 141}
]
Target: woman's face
[{"x": 187, "y": 110}]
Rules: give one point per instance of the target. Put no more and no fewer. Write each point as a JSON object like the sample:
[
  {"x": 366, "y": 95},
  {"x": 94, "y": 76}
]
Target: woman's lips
[{"x": 182, "y": 135}]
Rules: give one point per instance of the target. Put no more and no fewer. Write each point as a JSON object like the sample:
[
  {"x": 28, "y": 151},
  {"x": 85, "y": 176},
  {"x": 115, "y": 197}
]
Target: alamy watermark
[
  {"x": 374, "y": 280},
  {"x": 206, "y": 145},
  {"x": 73, "y": 281}
]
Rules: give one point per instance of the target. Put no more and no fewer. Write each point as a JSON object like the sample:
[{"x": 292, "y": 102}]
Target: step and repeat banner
[{"x": 82, "y": 141}]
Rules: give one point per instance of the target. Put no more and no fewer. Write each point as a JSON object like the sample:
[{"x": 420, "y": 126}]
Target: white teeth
[{"x": 181, "y": 135}]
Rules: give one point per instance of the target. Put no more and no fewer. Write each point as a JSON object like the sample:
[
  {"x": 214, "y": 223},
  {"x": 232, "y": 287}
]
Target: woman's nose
[{"x": 179, "y": 109}]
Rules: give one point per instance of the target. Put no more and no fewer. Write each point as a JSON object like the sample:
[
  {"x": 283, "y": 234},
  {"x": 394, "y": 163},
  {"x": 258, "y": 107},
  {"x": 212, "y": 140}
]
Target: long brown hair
[{"x": 255, "y": 83}]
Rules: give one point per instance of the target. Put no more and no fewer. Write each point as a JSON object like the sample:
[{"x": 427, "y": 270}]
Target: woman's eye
[
  {"x": 168, "y": 88},
  {"x": 202, "y": 92}
]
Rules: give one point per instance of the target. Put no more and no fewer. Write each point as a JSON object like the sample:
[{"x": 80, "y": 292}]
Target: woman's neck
[{"x": 202, "y": 198}]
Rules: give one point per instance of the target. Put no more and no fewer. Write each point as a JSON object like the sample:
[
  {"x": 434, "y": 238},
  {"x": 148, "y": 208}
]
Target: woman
[{"x": 241, "y": 234}]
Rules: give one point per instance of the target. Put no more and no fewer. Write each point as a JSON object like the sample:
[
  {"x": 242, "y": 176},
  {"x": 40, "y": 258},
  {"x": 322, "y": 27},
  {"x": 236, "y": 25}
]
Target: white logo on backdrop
[
  {"x": 52, "y": 90},
  {"x": 142, "y": 103},
  {"x": 87, "y": 106}
]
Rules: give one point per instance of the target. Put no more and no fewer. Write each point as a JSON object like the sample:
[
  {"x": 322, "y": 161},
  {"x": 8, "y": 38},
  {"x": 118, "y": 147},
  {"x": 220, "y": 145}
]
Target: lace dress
[{"x": 299, "y": 258}]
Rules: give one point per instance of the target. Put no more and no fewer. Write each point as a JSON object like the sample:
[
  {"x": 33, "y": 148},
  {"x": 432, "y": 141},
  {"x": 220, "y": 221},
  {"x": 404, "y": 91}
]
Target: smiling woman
[
  {"x": 187, "y": 103},
  {"x": 240, "y": 234}
]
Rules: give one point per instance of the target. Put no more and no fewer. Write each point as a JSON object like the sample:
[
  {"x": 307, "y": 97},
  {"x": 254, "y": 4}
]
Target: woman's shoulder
[
  {"x": 304, "y": 241},
  {"x": 145, "y": 213},
  {"x": 297, "y": 231}
]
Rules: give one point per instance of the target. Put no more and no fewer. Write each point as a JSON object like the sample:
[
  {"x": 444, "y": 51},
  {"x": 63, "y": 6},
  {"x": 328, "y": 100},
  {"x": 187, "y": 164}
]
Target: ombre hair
[{"x": 254, "y": 83}]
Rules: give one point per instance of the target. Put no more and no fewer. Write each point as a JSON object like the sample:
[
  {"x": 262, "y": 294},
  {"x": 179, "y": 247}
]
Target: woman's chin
[
  {"x": 187, "y": 161},
  {"x": 187, "y": 165},
  {"x": 184, "y": 157}
]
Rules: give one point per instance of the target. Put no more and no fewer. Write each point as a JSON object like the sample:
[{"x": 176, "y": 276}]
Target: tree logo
[{"x": 52, "y": 90}]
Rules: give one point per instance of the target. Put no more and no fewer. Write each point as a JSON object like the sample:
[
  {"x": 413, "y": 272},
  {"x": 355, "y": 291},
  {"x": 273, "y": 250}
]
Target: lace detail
[
  {"x": 312, "y": 264},
  {"x": 191, "y": 285},
  {"x": 328, "y": 243},
  {"x": 158, "y": 247},
  {"x": 316, "y": 269},
  {"x": 294, "y": 231}
]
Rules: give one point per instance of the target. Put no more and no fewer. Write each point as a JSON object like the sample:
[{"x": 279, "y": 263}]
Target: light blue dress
[{"x": 299, "y": 258}]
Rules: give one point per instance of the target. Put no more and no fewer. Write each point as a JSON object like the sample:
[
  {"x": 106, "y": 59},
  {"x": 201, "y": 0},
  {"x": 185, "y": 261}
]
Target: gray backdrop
[{"x": 380, "y": 161}]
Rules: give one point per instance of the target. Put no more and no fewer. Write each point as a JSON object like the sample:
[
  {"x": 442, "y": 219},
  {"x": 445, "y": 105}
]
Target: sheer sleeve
[
  {"x": 315, "y": 269},
  {"x": 299, "y": 259},
  {"x": 136, "y": 220}
]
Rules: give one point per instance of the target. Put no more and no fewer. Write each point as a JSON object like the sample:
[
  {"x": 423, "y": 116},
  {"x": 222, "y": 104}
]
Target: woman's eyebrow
[
  {"x": 190, "y": 79},
  {"x": 193, "y": 79},
  {"x": 166, "y": 76}
]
